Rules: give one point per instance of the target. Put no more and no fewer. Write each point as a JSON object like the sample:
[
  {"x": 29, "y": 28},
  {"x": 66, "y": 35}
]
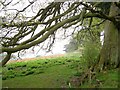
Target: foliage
[
  {"x": 104, "y": 6},
  {"x": 91, "y": 52},
  {"x": 87, "y": 42},
  {"x": 85, "y": 34}
]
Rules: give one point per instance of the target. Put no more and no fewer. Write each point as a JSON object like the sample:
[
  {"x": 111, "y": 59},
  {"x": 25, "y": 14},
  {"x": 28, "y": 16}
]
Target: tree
[
  {"x": 85, "y": 35},
  {"x": 109, "y": 54},
  {"x": 72, "y": 46},
  {"x": 62, "y": 15}
]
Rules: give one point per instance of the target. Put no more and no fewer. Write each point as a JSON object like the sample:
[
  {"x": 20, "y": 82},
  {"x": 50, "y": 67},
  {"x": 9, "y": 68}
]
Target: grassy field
[{"x": 57, "y": 72}]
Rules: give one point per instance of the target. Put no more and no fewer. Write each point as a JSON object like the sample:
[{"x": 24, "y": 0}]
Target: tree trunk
[{"x": 109, "y": 52}]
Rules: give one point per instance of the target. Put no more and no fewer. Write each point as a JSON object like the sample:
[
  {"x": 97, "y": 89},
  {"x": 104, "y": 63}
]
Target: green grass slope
[{"x": 53, "y": 73}]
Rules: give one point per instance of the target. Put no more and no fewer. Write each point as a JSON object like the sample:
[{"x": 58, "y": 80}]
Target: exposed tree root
[{"x": 90, "y": 73}]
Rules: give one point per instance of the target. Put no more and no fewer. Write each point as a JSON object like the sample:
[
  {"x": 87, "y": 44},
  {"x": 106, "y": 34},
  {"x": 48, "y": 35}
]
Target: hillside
[{"x": 57, "y": 72}]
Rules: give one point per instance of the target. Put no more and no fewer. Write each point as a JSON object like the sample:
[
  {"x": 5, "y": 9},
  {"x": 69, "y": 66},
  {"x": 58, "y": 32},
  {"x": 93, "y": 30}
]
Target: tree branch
[
  {"x": 6, "y": 59},
  {"x": 43, "y": 38}
]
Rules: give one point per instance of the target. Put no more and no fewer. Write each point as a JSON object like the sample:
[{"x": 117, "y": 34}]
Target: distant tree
[
  {"x": 84, "y": 35},
  {"x": 71, "y": 46}
]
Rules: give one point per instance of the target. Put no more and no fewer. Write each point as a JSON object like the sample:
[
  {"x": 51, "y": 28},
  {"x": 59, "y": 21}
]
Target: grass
[
  {"x": 51, "y": 78},
  {"x": 52, "y": 73}
]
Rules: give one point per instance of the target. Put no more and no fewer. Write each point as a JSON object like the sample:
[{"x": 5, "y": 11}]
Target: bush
[{"x": 90, "y": 52}]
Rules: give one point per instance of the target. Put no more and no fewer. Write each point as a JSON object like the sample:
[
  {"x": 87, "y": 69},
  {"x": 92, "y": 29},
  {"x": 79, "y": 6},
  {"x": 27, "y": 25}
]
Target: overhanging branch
[
  {"x": 5, "y": 60},
  {"x": 51, "y": 30}
]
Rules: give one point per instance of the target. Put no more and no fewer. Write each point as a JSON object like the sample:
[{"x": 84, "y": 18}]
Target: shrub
[{"x": 90, "y": 53}]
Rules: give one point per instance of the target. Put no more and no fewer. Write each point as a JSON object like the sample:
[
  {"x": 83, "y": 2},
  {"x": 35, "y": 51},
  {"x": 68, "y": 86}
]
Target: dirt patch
[{"x": 42, "y": 57}]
